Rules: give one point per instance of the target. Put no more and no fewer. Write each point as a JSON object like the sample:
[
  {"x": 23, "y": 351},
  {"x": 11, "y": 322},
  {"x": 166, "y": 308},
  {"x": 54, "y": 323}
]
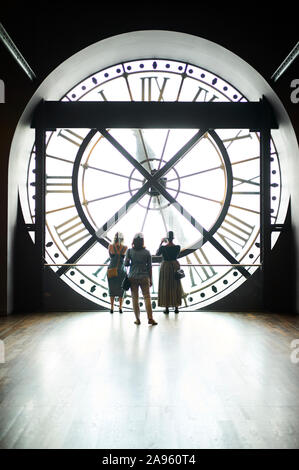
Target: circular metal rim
[{"x": 127, "y": 46}]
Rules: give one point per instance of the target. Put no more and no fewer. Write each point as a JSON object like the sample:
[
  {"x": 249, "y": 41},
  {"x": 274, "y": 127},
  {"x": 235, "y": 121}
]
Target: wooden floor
[{"x": 197, "y": 380}]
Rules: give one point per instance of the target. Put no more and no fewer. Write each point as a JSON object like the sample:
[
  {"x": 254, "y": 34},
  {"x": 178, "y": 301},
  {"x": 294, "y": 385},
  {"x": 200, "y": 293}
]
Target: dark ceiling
[{"x": 48, "y": 33}]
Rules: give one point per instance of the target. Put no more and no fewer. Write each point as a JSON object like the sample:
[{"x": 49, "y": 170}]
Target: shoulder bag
[
  {"x": 125, "y": 285},
  {"x": 179, "y": 274},
  {"x": 113, "y": 272}
]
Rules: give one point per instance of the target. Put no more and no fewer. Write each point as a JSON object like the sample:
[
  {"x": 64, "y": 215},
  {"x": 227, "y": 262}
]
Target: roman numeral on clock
[
  {"x": 204, "y": 95},
  {"x": 149, "y": 84},
  {"x": 101, "y": 92},
  {"x": 71, "y": 136},
  {"x": 252, "y": 182},
  {"x": 204, "y": 273},
  {"x": 238, "y": 136},
  {"x": 71, "y": 231},
  {"x": 58, "y": 184},
  {"x": 235, "y": 233}
]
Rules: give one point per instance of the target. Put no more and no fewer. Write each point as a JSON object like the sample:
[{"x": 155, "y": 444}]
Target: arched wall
[{"x": 142, "y": 44}]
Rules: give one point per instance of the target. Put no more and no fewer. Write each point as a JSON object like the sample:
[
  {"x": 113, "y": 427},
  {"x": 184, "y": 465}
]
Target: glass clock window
[{"x": 212, "y": 178}]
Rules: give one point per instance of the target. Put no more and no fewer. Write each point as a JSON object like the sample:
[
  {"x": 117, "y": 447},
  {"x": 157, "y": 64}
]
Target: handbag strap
[{"x": 118, "y": 252}]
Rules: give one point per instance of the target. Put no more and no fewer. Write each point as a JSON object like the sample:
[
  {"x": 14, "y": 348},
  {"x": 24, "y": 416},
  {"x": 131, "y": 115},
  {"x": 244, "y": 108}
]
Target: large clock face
[{"x": 210, "y": 181}]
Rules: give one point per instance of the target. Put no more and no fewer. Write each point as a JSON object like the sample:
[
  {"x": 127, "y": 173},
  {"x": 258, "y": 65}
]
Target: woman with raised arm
[{"x": 170, "y": 289}]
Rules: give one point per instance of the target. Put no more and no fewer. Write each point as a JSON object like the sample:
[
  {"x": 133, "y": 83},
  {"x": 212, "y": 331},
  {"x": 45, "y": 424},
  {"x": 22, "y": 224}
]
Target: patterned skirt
[{"x": 170, "y": 289}]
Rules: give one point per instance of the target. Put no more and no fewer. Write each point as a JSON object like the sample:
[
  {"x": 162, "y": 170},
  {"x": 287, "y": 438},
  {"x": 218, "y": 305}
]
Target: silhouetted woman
[
  {"x": 116, "y": 271},
  {"x": 170, "y": 289},
  {"x": 140, "y": 261}
]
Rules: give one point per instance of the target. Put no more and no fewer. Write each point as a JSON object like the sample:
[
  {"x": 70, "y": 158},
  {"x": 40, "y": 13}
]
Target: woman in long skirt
[
  {"x": 116, "y": 271},
  {"x": 170, "y": 289}
]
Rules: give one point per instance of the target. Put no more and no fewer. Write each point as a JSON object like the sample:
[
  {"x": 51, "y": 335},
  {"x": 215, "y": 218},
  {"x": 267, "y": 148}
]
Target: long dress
[
  {"x": 116, "y": 258},
  {"x": 170, "y": 289}
]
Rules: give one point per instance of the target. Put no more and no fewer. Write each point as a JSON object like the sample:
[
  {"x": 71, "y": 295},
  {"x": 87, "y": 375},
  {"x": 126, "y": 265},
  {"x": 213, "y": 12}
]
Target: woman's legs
[
  {"x": 111, "y": 304},
  {"x": 145, "y": 287},
  {"x": 135, "y": 298}
]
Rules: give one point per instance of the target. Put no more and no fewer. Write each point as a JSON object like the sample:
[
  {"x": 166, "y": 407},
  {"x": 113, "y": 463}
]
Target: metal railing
[{"x": 155, "y": 264}]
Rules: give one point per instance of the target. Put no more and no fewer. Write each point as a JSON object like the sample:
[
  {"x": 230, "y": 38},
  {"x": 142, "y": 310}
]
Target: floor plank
[{"x": 197, "y": 380}]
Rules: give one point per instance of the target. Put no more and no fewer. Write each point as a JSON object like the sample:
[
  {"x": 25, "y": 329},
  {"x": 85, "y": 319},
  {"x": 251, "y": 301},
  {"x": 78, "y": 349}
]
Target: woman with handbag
[
  {"x": 140, "y": 275},
  {"x": 170, "y": 289},
  {"x": 116, "y": 271}
]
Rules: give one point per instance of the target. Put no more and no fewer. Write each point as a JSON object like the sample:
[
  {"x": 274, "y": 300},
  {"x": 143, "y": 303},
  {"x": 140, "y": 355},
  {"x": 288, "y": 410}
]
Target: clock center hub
[
  {"x": 172, "y": 183},
  {"x": 153, "y": 191}
]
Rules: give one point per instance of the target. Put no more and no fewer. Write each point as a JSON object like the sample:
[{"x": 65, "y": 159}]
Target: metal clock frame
[{"x": 205, "y": 116}]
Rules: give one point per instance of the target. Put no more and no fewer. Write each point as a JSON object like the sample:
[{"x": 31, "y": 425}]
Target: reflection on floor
[{"x": 197, "y": 380}]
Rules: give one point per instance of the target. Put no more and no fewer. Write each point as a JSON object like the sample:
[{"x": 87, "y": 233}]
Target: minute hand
[
  {"x": 153, "y": 180},
  {"x": 167, "y": 167},
  {"x": 180, "y": 154}
]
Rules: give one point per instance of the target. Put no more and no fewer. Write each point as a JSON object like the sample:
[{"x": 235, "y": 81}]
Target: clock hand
[
  {"x": 164, "y": 148},
  {"x": 126, "y": 154},
  {"x": 146, "y": 214},
  {"x": 180, "y": 154},
  {"x": 167, "y": 213},
  {"x": 167, "y": 167},
  {"x": 166, "y": 228},
  {"x": 142, "y": 150},
  {"x": 153, "y": 180},
  {"x": 145, "y": 149}
]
